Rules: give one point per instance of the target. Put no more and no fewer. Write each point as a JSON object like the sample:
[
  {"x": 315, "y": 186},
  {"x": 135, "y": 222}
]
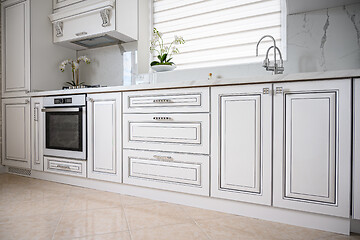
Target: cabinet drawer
[
  {"x": 175, "y": 100},
  {"x": 65, "y": 166},
  {"x": 167, "y": 132},
  {"x": 169, "y": 171}
]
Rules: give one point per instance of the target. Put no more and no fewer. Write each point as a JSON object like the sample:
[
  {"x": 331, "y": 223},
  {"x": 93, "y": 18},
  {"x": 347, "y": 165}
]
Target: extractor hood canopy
[{"x": 91, "y": 24}]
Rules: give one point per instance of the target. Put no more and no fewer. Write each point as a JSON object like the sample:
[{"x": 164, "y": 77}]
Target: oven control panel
[
  {"x": 62, "y": 100},
  {"x": 65, "y": 101}
]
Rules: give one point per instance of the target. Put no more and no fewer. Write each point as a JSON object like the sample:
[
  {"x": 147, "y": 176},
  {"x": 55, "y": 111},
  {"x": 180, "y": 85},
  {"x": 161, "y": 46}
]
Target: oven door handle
[{"x": 72, "y": 109}]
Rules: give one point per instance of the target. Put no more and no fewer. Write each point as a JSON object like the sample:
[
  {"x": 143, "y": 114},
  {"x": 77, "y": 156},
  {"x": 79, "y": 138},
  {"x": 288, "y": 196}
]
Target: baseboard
[
  {"x": 297, "y": 218},
  {"x": 2, "y": 169},
  {"x": 355, "y": 226}
]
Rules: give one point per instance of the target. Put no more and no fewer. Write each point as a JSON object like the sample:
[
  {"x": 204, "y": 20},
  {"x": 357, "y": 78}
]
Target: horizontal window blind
[{"x": 218, "y": 32}]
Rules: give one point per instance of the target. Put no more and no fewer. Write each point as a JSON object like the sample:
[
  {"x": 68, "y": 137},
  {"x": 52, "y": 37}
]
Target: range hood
[{"x": 96, "y": 24}]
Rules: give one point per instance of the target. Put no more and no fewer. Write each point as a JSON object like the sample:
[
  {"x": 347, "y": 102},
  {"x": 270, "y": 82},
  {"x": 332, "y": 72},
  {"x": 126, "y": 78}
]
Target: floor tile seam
[
  {"x": 159, "y": 226},
  {"x": 127, "y": 222},
  {"x": 92, "y": 235},
  {"x": 202, "y": 230},
  {"x": 87, "y": 210},
  {"x": 58, "y": 223}
]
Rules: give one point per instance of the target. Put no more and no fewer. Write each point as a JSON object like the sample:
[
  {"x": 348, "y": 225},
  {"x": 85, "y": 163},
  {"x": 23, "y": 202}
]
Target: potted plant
[
  {"x": 163, "y": 52},
  {"x": 75, "y": 67}
]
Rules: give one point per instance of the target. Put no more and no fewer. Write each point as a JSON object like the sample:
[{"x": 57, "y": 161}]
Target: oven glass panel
[{"x": 64, "y": 130}]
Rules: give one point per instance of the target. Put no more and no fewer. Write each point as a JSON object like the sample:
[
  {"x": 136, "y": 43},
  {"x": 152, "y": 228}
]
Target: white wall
[{"x": 322, "y": 40}]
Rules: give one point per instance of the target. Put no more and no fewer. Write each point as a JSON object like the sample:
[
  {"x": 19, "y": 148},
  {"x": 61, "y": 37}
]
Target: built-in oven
[{"x": 65, "y": 126}]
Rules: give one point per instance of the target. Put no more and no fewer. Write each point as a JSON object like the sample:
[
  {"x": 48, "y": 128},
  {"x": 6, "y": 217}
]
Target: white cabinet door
[
  {"x": 37, "y": 134},
  {"x": 241, "y": 143},
  {"x": 312, "y": 146},
  {"x": 356, "y": 149},
  {"x": 16, "y": 132},
  {"x": 104, "y": 136},
  {"x": 15, "y": 47}
]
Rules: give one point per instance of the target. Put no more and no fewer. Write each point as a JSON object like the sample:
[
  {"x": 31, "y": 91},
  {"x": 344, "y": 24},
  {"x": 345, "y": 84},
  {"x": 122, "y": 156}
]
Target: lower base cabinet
[
  {"x": 241, "y": 144},
  {"x": 312, "y": 146},
  {"x": 104, "y": 136},
  {"x": 16, "y": 132},
  {"x": 188, "y": 173}
]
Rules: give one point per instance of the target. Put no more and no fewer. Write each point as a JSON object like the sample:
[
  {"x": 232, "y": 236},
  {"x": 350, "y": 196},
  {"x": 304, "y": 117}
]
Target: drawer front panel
[
  {"x": 176, "y": 100},
  {"x": 65, "y": 166},
  {"x": 169, "y": 171},
  {"x": 173, "y": 132}
]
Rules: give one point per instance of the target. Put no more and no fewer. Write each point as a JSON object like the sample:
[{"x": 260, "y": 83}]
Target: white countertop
[{"x": 216, "y": 82}]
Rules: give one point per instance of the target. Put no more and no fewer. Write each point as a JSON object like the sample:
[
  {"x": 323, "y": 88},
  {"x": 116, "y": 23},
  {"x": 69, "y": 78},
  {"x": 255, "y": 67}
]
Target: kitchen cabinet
[
  {"x": 167, "y": 132},
  {"x": 104, "y": 136},
  {"x": 16, "y": 132},
  {"x": 241, "y": 144},
  {"x": 37, "y": 134},
  {"x": 188, "y": 173},
  {"x": 312, "y": 146},
  {"x": 356, "y": 150},
  {"x": 15, "y": 46}
]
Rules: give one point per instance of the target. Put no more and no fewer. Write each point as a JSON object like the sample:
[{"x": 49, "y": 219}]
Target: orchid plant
[
  {"x": 75, "y": 66},
  {"x": 164, "y": 52}
]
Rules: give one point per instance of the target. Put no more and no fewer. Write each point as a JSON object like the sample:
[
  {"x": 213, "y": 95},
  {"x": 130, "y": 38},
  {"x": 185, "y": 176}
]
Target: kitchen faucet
[{"x": 276, "y": 68}]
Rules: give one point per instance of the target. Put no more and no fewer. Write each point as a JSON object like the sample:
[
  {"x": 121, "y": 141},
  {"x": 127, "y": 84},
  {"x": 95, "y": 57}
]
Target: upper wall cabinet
[
  {"x": 15, "y": 47},
  {"x": 91, "y": 24},
  {"x": 312, "y": 146},
  {"x": 26, "y": 29}
]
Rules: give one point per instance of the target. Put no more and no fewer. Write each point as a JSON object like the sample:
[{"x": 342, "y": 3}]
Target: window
[{"x": 219, "y": 32}]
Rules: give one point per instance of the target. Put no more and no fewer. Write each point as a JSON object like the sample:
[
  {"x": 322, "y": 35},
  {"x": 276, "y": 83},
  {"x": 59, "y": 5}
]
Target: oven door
[{"x": 65, "y": 132}]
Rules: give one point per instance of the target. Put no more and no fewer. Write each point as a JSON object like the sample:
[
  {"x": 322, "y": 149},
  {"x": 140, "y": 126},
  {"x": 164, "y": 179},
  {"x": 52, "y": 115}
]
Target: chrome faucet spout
[{"x": 276, "y": 69}]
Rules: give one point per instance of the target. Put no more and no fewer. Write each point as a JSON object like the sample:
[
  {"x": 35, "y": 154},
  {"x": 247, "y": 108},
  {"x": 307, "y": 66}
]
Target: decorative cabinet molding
[
  {"x": 312, "y": 139},
  {"x": 105, "y": 16},
  {"x": 15, "y": 47},
  {"x": 16, "y": 132},
  {"x": 241, "y": 143},
  {"x": 104, "y": 136},
  {"x": 59, "y": 28},
  {"x": 356, "y": 150},
  {"x": 37, "y": 134}
]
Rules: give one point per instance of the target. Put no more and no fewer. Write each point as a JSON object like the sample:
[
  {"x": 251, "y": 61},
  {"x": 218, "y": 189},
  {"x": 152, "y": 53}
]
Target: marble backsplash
[{"x": 322, "y": 40}]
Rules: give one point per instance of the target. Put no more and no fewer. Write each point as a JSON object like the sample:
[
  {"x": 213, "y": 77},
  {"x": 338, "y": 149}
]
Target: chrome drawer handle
[
  {"x": 62, "y": 166},
  {"x": 163, "y": 158},
  {"x": 161, "y": 100},
  {"x": 162, "y": 118}
]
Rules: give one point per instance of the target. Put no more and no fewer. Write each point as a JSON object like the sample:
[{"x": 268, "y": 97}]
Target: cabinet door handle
[
  {"x": 163, "y": 158},
  {"x": 162, "y": 118},
  {"x": 90, "y": 99},
  {"x": 36, "y": 114}
]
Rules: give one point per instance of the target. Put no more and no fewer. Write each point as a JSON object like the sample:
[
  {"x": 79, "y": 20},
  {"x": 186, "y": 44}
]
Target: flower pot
[{"x": 163, "y": 68}]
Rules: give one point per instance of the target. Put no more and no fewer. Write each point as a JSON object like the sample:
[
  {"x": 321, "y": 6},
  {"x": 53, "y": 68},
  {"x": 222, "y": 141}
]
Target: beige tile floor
[{"x": 36, "y": 209}]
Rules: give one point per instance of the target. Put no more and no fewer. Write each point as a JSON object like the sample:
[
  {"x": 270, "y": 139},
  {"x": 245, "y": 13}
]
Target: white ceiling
[{"x": 300, "y": 6}]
